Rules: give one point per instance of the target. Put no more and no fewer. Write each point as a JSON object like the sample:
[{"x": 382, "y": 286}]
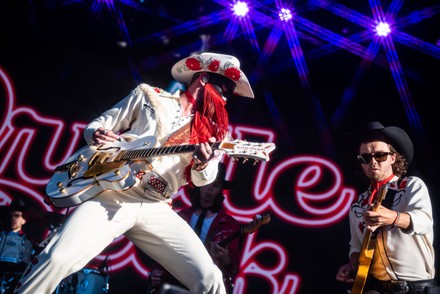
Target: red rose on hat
[
  {"x": 214, "y": 66},
  {"x": 232, "y": 73},
  {"x": 193, "y": 64}
]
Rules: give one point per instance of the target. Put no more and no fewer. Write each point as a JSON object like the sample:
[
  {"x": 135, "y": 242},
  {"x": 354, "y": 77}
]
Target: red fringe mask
[{"x": 210, "y": 119}]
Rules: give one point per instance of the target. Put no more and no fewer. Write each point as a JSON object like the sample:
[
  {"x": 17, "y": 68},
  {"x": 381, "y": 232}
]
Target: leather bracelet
[{"x": 394, "y": 224}]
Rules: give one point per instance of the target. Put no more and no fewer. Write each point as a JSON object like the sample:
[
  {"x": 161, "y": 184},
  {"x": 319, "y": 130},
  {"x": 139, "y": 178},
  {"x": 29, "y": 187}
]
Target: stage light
[
  {"x": 122, "y": 44},
  {"x": 383, "y": 29},
  {"x": 240, "y": 8},
  {"x": 285, "y": 14}
]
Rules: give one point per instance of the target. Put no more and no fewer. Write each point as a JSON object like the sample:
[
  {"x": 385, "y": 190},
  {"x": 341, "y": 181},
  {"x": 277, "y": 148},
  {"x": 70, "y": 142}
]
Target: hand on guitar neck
[
  {"x": 356, "y": 271},
  {"x": 369, "y": 243}
]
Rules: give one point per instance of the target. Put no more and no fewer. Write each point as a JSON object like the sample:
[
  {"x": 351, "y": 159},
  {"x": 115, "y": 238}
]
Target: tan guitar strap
[
  {"x": 181, "y": 136},
  {"x": 383, "y": 256}
]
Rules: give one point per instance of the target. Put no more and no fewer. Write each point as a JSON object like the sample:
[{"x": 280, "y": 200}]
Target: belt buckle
[{"x": 155, "y": 182}]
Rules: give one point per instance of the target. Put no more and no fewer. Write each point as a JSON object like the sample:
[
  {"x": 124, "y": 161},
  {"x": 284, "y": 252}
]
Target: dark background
[{"x": 74, "y": 59}]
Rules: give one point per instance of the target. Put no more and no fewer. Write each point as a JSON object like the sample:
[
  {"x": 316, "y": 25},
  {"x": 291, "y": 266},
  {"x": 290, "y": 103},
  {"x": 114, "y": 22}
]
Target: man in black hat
[
  {"x": 391, "y": 225},
  {"x": 16, "y": 248},
  {"x": 17, "y": 215}
]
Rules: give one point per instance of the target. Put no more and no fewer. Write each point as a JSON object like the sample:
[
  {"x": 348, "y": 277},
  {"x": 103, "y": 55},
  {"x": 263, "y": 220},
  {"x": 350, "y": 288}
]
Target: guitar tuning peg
[
  {"x": 255, "y": 162},
  {"x": 245, "y": 160}
]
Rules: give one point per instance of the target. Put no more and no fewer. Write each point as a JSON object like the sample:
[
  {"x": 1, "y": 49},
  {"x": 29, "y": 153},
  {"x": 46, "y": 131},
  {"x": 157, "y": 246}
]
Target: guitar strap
[
  {"x": 180, "y": 136},
  {"x": 388, "y": 203},
  {"x": 389, "y": 198}
]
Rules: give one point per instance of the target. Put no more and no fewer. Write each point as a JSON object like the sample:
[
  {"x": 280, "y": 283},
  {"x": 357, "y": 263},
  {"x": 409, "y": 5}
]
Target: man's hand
[
  {"x": 102, "y": 136},
  {"x": 382, "y": 217},
  {"x": 346, "y": 273},
  {"x": 220, "y": 254},
  {"x": 203, "y": 153}
]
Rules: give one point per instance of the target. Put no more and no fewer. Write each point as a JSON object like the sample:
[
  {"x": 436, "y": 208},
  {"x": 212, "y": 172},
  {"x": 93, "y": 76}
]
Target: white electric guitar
[{"x": 95, "y": 169}]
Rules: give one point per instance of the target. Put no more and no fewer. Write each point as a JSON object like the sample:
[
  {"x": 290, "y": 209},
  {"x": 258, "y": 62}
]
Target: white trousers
[{"x": 150, "y": 224}]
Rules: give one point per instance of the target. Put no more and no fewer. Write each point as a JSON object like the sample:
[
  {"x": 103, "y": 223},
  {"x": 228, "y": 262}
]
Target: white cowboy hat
[{"x": 225, "y": 65}]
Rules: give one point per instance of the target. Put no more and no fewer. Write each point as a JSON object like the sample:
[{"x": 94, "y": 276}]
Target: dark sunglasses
[
  {"x": 379, "y": 156},
  {"x": 16, "y": 214},
  {"x": 227, "y": 93},
  {"x": 224, "y": 86}
]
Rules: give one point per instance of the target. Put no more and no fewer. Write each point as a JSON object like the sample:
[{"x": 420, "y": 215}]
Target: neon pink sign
[{"x": 31, "y": 148}]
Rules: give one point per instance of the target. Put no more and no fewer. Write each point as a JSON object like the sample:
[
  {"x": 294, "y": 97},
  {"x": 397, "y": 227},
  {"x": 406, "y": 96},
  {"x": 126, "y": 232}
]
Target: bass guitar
[
  {"x": 95, "y": 169},
  {"x": 367, "y": 249},
  {"x": 248, "y": 228}
]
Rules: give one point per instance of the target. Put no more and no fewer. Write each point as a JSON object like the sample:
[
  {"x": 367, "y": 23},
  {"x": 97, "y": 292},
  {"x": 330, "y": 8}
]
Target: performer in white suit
[{"x": 143, "y": 213}]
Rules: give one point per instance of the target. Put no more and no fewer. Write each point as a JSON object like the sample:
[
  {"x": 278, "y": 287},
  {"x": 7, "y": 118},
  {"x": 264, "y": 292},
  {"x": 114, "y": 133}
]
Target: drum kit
[
  {"x": 87, "y": 280},
  {"x": 15, "y": 254},
  {"x": 17, "y": 251}
]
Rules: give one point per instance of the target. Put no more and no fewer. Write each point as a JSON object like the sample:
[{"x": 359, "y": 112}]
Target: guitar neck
[
  {"x": 248, "y": 228},
  {"x": 368, "y": 248},
  {"x": 229, "y": 239},
  {"x": 150, "y": 152}
]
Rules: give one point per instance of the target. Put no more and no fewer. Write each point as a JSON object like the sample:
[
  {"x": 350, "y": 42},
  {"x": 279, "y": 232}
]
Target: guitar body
[
  {"x": 365, "y": 258},
  {"x": 77, "y": 180}
]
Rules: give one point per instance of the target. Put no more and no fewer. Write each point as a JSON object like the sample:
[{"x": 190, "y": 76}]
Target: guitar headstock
[
  {"x": 258, "y": 221},
  {"x": 246, "y": 149}
]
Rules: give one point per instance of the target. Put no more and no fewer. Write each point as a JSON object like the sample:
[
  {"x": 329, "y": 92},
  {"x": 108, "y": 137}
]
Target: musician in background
[
  {"x": 196, "y": 116},
  {"x": 16, "y": 248},
  {"x": 17, "y": 216},
  {"x": 209, "y": 219},
  {"x": 402, "y": 226}
]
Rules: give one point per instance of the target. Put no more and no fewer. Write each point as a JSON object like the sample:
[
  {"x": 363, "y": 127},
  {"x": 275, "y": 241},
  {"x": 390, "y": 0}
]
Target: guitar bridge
[
  {"x": 98, "y": 165},
  {"x": 98, "y": 157}
]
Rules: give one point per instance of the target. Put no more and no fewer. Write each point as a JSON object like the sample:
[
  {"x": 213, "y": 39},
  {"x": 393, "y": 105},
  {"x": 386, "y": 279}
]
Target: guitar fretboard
[{"x": 150, "y": 152}]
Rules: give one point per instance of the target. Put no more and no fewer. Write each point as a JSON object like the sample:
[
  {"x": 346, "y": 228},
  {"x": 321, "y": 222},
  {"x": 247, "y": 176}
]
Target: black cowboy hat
[
  {"x": 392, "y": 135},
  {"x": 18, "y": 204}
]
